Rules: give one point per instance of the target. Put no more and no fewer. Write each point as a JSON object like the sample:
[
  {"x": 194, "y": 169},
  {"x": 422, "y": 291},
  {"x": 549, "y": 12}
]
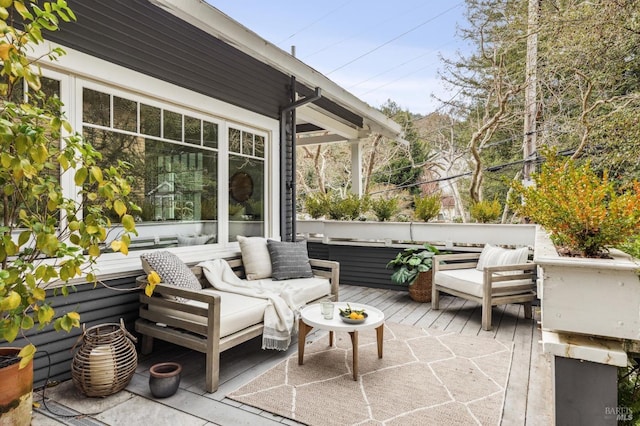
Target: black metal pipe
[{"x": 286, "y": 185}]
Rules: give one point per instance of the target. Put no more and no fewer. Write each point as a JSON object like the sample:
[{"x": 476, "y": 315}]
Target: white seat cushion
[
  {"x": 470, "y": 280},
  {"x": 237, "y": 312}
]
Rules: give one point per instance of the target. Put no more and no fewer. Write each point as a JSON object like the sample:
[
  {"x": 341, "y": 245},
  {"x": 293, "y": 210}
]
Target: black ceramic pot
[{"x": 164, "y": 379}]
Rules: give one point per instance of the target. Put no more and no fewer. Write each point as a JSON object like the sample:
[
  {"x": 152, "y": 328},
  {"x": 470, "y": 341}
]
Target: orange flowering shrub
[{"x": 582, "y": 211}]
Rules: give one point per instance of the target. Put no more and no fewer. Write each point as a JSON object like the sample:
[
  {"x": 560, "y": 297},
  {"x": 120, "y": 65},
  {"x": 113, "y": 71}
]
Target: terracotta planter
[
  {"x": 16, "y": 392},
  {"x": 420, "y": 290},
  {"x": 599, "y": 297}
]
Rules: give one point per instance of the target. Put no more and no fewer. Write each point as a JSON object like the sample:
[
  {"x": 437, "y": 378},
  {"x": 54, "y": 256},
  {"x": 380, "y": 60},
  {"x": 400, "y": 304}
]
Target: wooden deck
[{"x": 528, "y": 397}]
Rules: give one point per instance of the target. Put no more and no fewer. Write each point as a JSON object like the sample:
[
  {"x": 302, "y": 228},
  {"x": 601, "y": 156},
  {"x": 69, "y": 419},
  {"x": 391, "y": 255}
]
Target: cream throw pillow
[
  {"x": 255, "y": 257},
  {"x": 498, "y": 256}
]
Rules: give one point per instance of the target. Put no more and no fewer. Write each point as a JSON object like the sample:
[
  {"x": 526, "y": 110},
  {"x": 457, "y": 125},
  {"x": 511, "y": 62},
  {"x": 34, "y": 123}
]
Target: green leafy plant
[
  {"x": 485, "y": 211},
  {"x": 385, "y": 208},
  {"x": 629, "y": 392},
  {"x": 348, "y": 208},
  {"x": 410, "y": 262},
  {"x": 427, "y": 207},
  {"x": 582, "y": 211},
  {"x": 349, "y": 312},
  {"x": 631, "y": 246},
  {"x": 236, "y": 211},
  {"x": 317, "y": 204},
  {"x": 47, "y": 237}
]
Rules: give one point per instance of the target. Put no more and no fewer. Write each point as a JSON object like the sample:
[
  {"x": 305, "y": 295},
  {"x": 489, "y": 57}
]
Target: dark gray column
[{"x": 585, "y": 393}]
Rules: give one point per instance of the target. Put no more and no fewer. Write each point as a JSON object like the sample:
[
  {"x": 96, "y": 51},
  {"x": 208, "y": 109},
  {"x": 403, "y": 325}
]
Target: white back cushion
[
  {"x": 255, "y": 257},
  {"x": 498, "y": 256}
]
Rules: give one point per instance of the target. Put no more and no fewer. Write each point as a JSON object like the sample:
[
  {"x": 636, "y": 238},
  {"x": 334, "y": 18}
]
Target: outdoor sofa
[{"x": 211, "y": 321}]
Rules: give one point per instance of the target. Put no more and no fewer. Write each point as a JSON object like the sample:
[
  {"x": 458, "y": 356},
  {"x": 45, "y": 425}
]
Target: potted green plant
[
  {"x": 47, "y": 237},
  {"x": 385, "y": 208},
  {"x": 485, "y": 211},
  {"x": 587, "y": 286},
  {"x": 411, "y": 267},
  {"x": 427, "y": 207}
]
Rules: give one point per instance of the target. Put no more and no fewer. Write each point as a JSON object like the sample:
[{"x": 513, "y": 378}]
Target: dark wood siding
[
  {"x": 95, "y": 306},
  {"x": 140, "y": 36},
  {"x": 361, "y": 266},
  {"x": 145, "y": 38}
]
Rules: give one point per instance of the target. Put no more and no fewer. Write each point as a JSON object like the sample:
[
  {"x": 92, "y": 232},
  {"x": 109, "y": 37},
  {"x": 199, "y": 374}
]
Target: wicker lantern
[{"x": 106, "y": 360}]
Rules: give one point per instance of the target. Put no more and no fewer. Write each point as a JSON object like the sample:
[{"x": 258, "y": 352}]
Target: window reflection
[
  {"x": 150, "y": 120},
  {"x": 192, "y": 130},
  {"x": 246, "y": 197},
  {"x": 172, "y": 123},
  {"x": 125, "y": 114},
  {"x": 174, "y": 184},
  {"x": 209, "y": 134},
  {"x": 96, "y": 107}
]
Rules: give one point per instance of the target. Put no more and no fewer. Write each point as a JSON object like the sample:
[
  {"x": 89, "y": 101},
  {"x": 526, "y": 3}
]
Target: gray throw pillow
[
  {"x": 171, "y": 269},
  {"x": 289, "y": 260}
]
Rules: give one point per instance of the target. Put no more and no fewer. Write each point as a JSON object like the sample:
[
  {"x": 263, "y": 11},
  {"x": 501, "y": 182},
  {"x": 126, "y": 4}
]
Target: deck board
[{"x": 529, "y": 384}]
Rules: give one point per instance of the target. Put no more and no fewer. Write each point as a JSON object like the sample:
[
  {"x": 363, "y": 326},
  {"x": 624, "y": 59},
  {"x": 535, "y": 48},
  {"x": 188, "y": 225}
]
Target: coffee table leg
[
  {"x": 331, "y": 339},
  {"x": 303, "y": 330},
  {"x": 354, "y": 344},
  {"x": 380, "y": 336}
]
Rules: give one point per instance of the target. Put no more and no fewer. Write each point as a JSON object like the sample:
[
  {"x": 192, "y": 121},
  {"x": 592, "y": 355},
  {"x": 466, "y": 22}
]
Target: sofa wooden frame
[{"x": 196, "y": 335}]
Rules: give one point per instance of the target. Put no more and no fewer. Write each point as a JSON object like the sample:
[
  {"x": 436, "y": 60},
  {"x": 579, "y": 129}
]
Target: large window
[
  {"x": 174, "y": 159},
  {"x": 246, "y": 183}
]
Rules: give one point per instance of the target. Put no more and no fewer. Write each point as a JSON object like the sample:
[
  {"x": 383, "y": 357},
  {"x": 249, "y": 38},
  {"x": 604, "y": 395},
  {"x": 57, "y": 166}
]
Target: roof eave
[{"x": 211, "y": 20}]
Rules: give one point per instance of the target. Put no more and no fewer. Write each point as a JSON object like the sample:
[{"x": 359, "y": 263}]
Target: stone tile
[
  {"x": 140, "y": 410},
  {"x": 139, "y": 385},
  {"x": 215, "y": 411},
  {"x": 68, "y": 395},
  {"x": 41, "y": 420}
]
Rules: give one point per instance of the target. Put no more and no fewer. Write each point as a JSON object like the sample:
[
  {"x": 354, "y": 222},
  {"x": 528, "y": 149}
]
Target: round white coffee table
[{"x": 311, "y": 317}]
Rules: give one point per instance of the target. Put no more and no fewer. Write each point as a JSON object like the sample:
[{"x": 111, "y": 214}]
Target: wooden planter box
[{"x": 598, "y": 297}]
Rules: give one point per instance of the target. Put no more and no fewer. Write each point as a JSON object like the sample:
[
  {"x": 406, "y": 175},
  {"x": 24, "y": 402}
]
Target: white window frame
[{"x": 77, "y": 70}]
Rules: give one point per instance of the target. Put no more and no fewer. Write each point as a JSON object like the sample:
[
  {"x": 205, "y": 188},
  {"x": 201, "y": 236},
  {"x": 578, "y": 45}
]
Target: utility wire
[
  {"x": 314, "y": 22},
  {"x": 400, "y": 65},
  {"x": 495, "y": 168},
  {"x": 375, "y": 25},
  {"x": 397, "y": 37},
  {"x": 397, "y": 79}
]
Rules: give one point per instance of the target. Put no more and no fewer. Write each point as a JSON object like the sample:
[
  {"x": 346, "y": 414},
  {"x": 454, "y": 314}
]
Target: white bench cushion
[
  {"x": 470, "y": 281},
  {"x": 237, "y": 312}
]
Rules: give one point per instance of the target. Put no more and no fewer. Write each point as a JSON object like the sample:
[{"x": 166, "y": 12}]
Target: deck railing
[{"x": 448, "y": 235}]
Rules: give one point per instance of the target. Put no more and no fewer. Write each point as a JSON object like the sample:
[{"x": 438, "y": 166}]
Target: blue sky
[{"x": 377, "y": 50}]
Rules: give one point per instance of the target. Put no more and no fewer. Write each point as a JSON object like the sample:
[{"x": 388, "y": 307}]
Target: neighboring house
[{"x": 208, "y": 113}]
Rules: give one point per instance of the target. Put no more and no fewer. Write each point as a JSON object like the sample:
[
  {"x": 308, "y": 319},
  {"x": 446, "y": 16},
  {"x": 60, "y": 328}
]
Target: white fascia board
[
  {"x": 319, "y": 139},
  {"x": 209, "y": 19}
]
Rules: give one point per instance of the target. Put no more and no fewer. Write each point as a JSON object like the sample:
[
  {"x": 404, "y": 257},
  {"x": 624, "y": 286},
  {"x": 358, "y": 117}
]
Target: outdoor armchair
[{"x": 495, "y": 284}]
